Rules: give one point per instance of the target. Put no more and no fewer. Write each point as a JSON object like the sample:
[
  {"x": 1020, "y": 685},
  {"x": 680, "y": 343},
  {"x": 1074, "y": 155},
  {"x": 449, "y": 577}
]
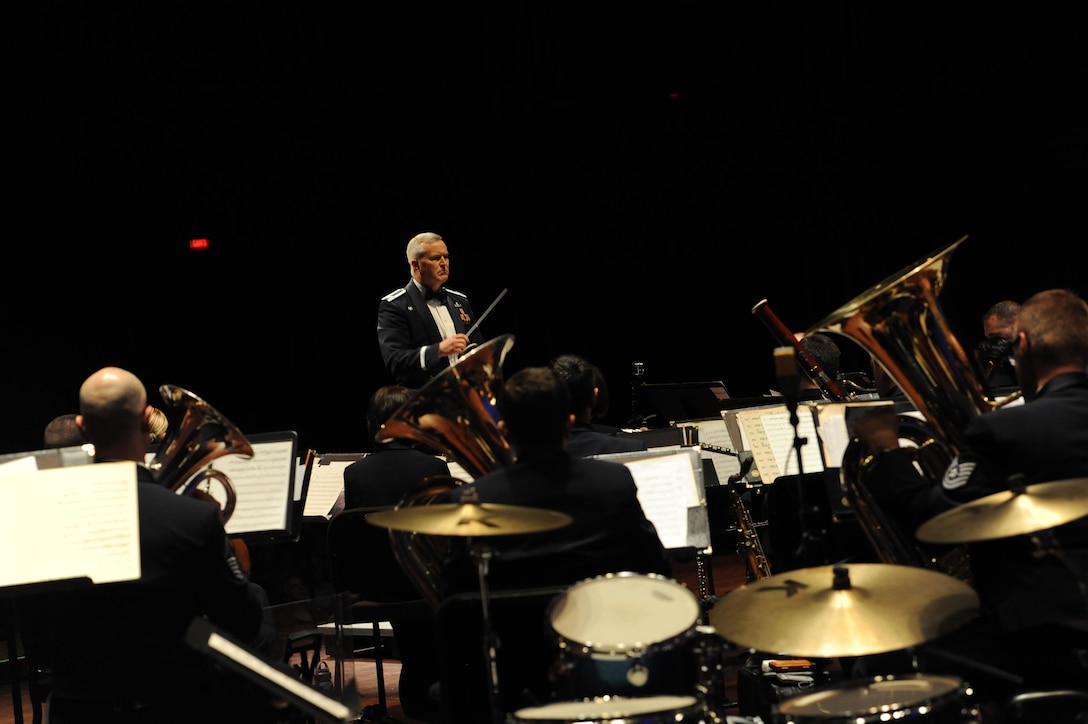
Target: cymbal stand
[
  {"x": 1046, "y": 544},
  {"x": 482, "y": 555}
]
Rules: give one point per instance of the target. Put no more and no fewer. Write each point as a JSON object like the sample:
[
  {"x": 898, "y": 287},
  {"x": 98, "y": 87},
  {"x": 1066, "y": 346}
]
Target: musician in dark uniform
[
  {"x": 609, "y": 533},
  {"x": 120, "y": 653},
  {"x": 384, "y": 477},
  {"x": 422, "y": 328},
  {"x": 582, "y": 380},
  {"x": 395, "y": 467},
  {"x": 1033, "y": 588}
]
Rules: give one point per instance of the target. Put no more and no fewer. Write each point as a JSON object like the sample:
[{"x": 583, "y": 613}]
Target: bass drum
[
  {"x": 916, "y": 698},
  {"x": 625, "y": 634},
  {"x": 614, "y": 710}
]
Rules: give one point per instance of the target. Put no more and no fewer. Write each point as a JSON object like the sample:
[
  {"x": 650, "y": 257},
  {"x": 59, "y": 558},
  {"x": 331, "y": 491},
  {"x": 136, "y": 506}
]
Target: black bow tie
[{"x": 440, "y": 295}]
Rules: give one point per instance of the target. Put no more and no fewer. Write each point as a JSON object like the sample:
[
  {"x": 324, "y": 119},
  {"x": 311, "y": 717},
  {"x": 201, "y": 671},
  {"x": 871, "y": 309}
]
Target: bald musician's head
[{"x": 114, "y": 414}]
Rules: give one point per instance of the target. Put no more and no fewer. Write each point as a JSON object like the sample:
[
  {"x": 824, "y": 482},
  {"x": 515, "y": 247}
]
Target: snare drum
[
  {"x": 625, "y": 634},
  {"x": 613, "y": 710},
  {"x": 915, "y": 697}
]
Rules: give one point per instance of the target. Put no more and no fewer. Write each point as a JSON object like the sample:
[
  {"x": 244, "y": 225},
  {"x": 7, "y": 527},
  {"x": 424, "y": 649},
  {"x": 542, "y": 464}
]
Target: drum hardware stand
[
  {"x": 482, "y": 555},
  {"x": 1046, "y": 543},
  {"x": 972, "y": 664}
]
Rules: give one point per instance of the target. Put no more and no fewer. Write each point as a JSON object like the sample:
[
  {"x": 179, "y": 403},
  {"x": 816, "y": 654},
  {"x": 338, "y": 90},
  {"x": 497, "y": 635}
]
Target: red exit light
[{"x": 198, "y": 244}]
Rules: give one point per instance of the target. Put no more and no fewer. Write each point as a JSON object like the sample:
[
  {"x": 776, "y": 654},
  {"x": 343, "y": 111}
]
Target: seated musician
[
  {"x": 584, "y": 382},
  {"x": 1032, "y": 632},
  {"x": 609, "y": 531},
  {"x": 124, "y": 657}
]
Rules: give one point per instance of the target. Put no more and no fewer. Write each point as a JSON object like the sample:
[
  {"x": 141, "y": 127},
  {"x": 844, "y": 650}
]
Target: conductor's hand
[
  {"x": 452, "y": 345},
  {"x": 877, "y": 429}
]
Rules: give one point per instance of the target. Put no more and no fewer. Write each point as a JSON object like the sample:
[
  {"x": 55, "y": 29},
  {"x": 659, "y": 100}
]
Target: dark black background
[{"x": 637, "y": 179}]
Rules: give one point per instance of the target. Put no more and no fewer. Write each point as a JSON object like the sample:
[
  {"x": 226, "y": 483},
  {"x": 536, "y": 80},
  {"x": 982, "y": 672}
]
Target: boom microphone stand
[{"x": 789, "y": 384}]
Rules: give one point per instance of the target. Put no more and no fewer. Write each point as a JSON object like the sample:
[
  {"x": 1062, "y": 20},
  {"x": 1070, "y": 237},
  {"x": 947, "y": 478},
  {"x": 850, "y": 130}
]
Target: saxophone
[{"x": 749, "y": 546}]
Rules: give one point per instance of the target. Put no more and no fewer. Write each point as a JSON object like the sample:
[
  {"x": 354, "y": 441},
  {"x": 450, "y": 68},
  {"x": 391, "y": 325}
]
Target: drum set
[{"x": 636, "y": 648}]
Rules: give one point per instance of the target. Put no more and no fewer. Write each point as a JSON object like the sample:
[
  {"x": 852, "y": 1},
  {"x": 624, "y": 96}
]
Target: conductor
[{"x": 423, "y": 327}]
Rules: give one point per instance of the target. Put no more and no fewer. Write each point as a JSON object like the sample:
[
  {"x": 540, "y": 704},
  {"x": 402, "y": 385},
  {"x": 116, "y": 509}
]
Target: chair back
[
  {"x": 361, "y": 559},
  {"x": 525, "y": 657}
]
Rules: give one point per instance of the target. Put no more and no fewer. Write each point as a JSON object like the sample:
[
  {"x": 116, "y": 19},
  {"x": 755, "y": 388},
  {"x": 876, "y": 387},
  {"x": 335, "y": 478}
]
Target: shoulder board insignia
[
  {"x": 957, "y": 474},
  {"x": 394, "y": 294},
  {"x": 457, "y": 293}
]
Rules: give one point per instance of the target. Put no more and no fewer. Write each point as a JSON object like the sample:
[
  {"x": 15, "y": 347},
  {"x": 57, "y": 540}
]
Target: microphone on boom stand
[
  {"x": 811, "y": 546},
  {"x": 789, "y": 384}
]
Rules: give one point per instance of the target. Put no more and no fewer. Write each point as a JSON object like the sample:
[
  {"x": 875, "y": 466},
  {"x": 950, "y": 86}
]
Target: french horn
[
  {"x": 899, "y": 322},
  {"x": 202, "y": 435},
  {"x": 455, "y": 413}
]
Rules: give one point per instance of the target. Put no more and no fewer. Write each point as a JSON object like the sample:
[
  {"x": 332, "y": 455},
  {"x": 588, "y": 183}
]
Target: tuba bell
[
  {"x": 455, "y": 413},
  {"x": 899, "y": 322},
  {"x": 202, "y": 435}
]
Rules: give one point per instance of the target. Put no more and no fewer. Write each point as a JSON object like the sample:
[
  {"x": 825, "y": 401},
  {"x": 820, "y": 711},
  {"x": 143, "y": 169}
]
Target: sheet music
[
  {"x": 714, "y": 432},
  {"x": 28, "y": 464},
  {"x": 262, "y": 484},
  {"x": 770, "y": 437},
  {"x": 327, "y": 482},
  {"x": 668, "y": 488},
  {"x": 457, "y": 471},
  {"x": 832, "y": 428},
  {"x": 70, "y": 522}
]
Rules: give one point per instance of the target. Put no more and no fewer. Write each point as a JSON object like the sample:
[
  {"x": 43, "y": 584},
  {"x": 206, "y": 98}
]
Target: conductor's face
[{"x": 433, "y": 268}]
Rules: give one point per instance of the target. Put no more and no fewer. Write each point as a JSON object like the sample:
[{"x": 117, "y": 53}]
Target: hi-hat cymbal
[
  {"x": 1009, "y": 512},
  {"x": 846, "y": 610},
  {"x": 469, "y": 519}
]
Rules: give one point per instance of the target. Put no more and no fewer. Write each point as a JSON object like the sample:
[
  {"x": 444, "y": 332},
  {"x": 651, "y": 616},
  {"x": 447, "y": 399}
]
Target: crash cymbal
[
  {"x": 1010, "y": 512},
  {"x": 469, "y": 519},
  {"x": 845, "y": 610}
]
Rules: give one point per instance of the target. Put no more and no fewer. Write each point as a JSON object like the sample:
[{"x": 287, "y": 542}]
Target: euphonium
[
  {"x": 900, "y": 324},
  {"x": 202, "y": 435},
  {"x": 456, "y": 414}
]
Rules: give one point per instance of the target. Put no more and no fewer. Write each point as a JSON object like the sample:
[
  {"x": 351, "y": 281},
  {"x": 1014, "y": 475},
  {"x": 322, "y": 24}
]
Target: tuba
[
  {"x": 202, "y": 436},
  {"x": 900, "y": 324},
  {"x": 455, "y": 413}
]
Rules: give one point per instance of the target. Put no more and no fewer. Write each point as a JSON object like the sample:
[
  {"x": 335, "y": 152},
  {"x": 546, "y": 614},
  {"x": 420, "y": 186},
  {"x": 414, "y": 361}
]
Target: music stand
[
  {"x": 672, "y": 401},
  {"x": 206, "y": 638},
  {"x": 264, "y": 485},
  {"x": 83, "y": 521},
  {"x": 327, "y": 483}
]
